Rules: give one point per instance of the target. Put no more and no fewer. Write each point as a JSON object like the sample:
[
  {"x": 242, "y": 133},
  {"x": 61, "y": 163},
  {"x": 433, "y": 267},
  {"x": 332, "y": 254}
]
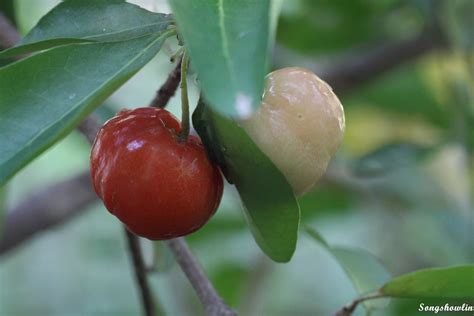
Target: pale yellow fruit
[{"x": 299, "y": 125}]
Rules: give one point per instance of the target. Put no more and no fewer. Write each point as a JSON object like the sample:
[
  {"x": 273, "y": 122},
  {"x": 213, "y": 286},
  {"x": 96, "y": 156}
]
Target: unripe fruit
[
  {"x": 299, "y": 125},
  {"x": 158, "y": 186}
]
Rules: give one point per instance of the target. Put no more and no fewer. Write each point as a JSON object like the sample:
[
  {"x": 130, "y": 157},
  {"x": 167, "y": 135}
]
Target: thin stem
[
  {"x": 184, "y": 99},
  {"x": 213, "y": 304},
  {"x": 350, "y": 308},
  {"x": 140, "y": 274}
]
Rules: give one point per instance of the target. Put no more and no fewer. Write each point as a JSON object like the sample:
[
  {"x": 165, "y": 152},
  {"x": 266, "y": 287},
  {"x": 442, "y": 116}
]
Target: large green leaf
[
  {"x": 364, "y": 270},
  {"x": 44, "y": 96},
  {"x": 271, "y": 208},
  {"x": 89, "y": 21},
  {"x": 228, "y": 44},
  {"x": 451, "y": 282}
]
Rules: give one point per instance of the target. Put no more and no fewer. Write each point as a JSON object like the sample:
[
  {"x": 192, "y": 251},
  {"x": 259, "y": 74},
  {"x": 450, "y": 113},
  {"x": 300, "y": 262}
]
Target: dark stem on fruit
[
  {"x": 140, "y": 273},
  {"x": 348, "y": 309},
  {"x": 183, "y": 136},
  {"x": 213, "y": 304}
]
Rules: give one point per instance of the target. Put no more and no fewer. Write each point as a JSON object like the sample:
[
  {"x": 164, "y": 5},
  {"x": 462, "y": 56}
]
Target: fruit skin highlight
[
  {"x": 299, "y": 125},
  {"x": 159, "y": 187}
]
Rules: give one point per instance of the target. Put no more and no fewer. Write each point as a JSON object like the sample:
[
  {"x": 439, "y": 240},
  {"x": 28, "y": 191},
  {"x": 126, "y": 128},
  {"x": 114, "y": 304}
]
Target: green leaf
[
  {"x": 228, "y": 43},
  {"x": 403, "y": 92},
  {"x": 364, "y": 270},
  {"x": 389, "y": 158},
  {"x": 230, "y": 280},
  {"x": 451, "y": 282},
  {"x": 329, "y": 27},
  {"x": 270, "y": 206},
  {"x": 42, "y": 97},
  {"x": 459, "y": 23},
  {"x": 90, "y": 21}
]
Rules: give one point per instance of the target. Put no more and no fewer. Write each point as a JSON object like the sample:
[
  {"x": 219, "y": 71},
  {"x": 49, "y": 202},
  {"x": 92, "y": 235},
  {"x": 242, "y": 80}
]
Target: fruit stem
[
  {"x": 176, "y": 54},
  {"x": 183, "y": 136}
]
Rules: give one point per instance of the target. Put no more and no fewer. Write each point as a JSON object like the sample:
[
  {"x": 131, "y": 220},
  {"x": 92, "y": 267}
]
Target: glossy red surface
[{"x": 158, "y": 187}]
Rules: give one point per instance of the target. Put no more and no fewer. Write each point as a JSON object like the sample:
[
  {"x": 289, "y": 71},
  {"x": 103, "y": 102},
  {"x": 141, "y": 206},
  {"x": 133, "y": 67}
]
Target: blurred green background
[{"x": 401, "y": 186}]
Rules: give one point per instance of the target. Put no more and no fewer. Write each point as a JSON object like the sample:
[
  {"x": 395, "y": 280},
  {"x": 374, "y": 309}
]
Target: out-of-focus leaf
[
  {"x": 404, "y": 92},
  {"x": 271, "y": 208},
  {"x": 459, "y": 22},
  {"x": 450, "y": 282},
  {"x": 364, "y": 270},
  {"x": 322, "y": 27},
  {"x": 388, "y": 158},
  {"x": 42, "y": 97},
  {"x": 228, "y": 44},
  {"x": 216, "y": 227},
  {"x": 317, "y": 236},
  {"x": 326, "y": 199},
  {"x": 229, "y": 280},
  {"x": 90, "y": 21}
]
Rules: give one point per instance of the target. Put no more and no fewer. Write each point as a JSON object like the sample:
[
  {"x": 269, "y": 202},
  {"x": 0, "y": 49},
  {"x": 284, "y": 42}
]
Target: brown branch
[
  {"x": 89, "y": 127},
  {"x": 348, "y": 309},
  {"x": 9, "y": 36},
  {"x": 360, "y": 69},
  {"x": 45, "y": 209},
  {"x": 213, "y": 304},
  {"x": 168, "y": 89},
  {"x": 140, "y": 273},
  {"x": 350, "y": 73}
]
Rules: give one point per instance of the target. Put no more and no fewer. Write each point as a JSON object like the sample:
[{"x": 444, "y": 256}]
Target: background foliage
[{"x": 400, "y": 186}]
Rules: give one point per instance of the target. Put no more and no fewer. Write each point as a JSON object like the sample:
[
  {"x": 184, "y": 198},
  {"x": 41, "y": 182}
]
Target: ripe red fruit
[{"x": 159, "y": 187}]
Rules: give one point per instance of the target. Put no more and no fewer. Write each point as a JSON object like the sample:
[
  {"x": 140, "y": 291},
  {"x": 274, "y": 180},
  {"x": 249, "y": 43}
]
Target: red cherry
[{"x": 159, "y": 187}]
